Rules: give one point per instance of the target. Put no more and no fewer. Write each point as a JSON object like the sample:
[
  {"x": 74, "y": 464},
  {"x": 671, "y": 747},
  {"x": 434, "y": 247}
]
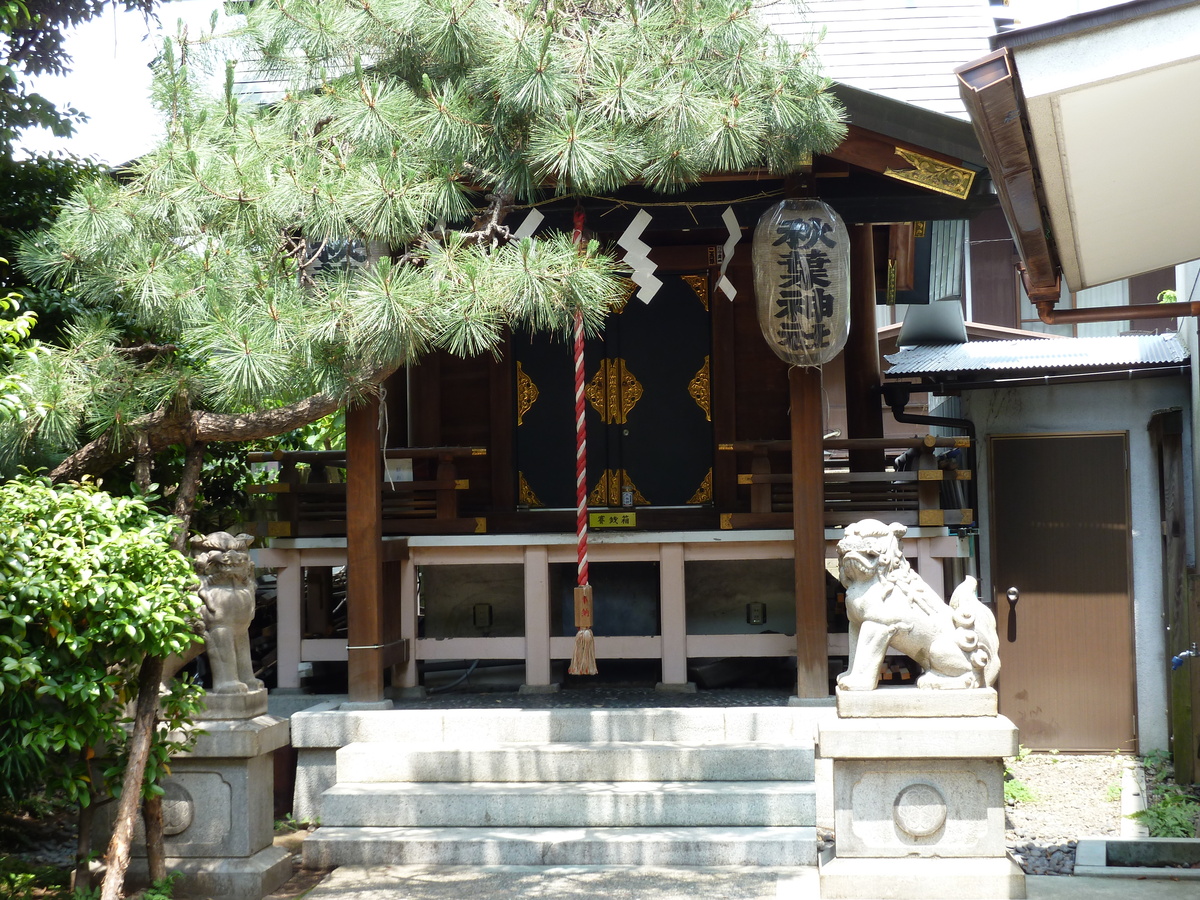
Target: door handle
[{"x": 1013, "y": 596}]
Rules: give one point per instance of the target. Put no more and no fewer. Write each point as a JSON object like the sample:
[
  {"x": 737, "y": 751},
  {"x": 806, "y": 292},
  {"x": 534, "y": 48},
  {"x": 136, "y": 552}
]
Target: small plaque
[{"x": 612, "y": 520}]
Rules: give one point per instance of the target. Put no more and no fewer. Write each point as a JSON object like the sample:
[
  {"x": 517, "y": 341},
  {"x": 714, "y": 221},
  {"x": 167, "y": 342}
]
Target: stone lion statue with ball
[
  {"x": 888, "y": 604},
  {"x": 227, "y": 589}
]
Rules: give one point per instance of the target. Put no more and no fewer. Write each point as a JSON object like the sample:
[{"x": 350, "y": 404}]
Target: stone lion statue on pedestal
[
  {"x": 889, "y": 604},
  {"x": 227, "y": 589}
]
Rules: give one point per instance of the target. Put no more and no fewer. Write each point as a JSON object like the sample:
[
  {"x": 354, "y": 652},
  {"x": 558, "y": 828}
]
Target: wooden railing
[
  {"x": 424, "y": 503},
  {"x": 911, "y": 495},
  {"x": 315, "y": 506}
]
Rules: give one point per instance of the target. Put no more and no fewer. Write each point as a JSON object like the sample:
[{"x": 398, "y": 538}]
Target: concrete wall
[{"x": 1100, "y": 407}]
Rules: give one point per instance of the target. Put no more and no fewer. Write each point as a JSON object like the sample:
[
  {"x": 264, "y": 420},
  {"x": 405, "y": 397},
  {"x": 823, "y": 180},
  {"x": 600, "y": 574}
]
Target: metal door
[{"x": 1061, "y": 572}]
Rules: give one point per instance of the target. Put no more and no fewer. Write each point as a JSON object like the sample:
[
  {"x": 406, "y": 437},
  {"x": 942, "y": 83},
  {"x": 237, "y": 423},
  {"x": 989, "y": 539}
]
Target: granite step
[
  {"x": 701, "y": 846},
  {"x": 332, "y": 728},
  {"x": 578, "y": 761},
  {"x": 563, "y": 804}
]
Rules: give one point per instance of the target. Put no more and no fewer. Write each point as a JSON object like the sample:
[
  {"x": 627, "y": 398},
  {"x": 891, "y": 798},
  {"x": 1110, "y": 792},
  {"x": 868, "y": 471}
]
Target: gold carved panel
[
  {"x": 613, "y": 391},
  {"x": 934, "y": 174},
  {"x": 527, "y": 394},
  {"x": 607, "y": 491},
  {"x": 700, "y": 390}
]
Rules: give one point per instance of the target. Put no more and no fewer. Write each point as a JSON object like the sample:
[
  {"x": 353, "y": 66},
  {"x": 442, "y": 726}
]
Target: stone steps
[
  {"x": 577, "y": 761},
  {"x": 682, "y": 787},
  {"x": 712, "y": 846},
  {"x": 572, "y": 804}
]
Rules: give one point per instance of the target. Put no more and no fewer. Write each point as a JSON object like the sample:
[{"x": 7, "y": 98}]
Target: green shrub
[{"x": 89, "y": 587}]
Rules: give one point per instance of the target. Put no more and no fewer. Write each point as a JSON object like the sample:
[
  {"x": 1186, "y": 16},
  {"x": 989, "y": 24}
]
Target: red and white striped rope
[{"x": 581, "y": 517}]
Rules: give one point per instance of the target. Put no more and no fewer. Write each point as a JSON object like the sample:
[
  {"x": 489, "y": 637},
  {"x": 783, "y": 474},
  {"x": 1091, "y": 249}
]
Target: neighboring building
[{"x": 1049, "y": 104}]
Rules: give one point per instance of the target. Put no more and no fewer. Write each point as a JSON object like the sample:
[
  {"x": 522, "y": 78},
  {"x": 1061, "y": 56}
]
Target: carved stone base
[
  {"x": 986, "y": 878},
  {"x": 218, "y": 812},
  {"x": 919, "y": 803},
  {"x": 234, "y": 706}
]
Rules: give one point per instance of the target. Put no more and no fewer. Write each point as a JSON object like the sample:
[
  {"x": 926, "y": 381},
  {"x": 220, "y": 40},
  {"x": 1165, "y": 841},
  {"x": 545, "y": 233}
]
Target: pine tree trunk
[
  {"x": 185, "y": 495},
  {"x": 142, "y": 460},
  {"x": 116, "y": 861}
]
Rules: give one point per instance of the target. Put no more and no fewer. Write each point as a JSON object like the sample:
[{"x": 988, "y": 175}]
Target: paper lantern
[{"x": 802, "y": 281}]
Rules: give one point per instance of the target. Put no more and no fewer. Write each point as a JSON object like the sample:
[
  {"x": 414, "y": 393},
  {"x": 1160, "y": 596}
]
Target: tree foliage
[
  {"x": 89, "y": 587},
  {"x": 410, "y": 127}
]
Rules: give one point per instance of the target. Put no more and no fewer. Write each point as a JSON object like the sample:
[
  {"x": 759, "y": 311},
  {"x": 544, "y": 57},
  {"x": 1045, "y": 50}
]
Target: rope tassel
[{"x": 583, "y": 660}]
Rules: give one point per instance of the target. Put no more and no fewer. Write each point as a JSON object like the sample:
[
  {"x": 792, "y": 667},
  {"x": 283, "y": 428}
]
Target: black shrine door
[{"x": 649, "y": 426}]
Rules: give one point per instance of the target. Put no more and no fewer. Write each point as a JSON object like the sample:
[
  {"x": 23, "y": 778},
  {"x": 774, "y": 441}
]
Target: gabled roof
[
  {"x": 1022, "y": 359},
  {"x": 903, "y": 50}
]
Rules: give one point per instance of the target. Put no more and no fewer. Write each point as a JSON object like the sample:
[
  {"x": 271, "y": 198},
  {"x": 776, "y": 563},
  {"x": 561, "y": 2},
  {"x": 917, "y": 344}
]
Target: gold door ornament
[
  {"x": 699, "y": 286},
  {"x": 704, "y": 493},
  {"x": 525, "y": 494},
  {"x": 609, "y": 488},
  {"x": 628, "y": 288},
  {"x": 613, "y": 391},
  {"x": 527, "y": 394},
  {"x": 700, "y": 390}
]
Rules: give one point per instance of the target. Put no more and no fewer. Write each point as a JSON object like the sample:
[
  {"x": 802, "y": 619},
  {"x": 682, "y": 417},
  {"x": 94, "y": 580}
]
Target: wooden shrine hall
[{"x": 718, "y": 477}]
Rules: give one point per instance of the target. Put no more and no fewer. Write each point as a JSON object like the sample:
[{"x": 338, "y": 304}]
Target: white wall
[{"x": 1100, "y": 407}]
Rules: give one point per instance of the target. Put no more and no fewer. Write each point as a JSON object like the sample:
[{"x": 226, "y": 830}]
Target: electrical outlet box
[
  {"x": 483, "y": 615},
  {"x": 756, "y": 613}
]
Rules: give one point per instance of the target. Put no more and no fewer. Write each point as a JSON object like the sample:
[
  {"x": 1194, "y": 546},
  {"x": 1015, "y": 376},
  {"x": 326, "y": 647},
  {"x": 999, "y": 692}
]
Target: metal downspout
[{"x": 896, "y": 395}]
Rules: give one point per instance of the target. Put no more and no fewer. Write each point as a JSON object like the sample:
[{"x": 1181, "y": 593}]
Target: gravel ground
[{"x": 1069, "y": 797}]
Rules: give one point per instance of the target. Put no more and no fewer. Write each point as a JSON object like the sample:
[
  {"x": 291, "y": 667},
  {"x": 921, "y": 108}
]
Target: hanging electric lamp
[{"x": 802, "y": 281}]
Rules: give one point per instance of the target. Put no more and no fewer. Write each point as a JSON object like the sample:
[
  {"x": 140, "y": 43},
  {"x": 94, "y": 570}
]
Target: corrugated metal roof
[{"x": 1081, "y": 354}]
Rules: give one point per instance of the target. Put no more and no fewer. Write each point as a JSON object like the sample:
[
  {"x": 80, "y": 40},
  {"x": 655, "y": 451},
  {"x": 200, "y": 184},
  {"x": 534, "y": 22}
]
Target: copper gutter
[
  {"x": 991, "y": 91},
  {"x": 1051, "y": 316}
]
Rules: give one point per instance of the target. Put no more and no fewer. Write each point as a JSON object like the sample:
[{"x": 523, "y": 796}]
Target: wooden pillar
[
  {"x": 864, "y": 412},
  {"x": 537, "y": 615},
  {"x": 405, "y": 675},
  {"x": 673, "y": 612},
  {"x": 364, "y": 553},
  {"x": 289, "y": 586},
  {"x": 808, "y": 520}
]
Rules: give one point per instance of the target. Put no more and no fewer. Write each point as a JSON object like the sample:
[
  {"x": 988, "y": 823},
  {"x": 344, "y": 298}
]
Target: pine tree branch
[
  {"x": 487, "y": 226},
  {"x": 163, "y": 428}
]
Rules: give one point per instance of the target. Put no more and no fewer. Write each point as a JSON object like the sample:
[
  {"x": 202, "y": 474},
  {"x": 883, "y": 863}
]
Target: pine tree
[{"x": 411, "y": 127}]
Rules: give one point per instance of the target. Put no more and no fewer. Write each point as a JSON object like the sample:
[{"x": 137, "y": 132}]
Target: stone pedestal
[
  {"x": 218, "y": 808},
  {"x": 918, "y": 792}
]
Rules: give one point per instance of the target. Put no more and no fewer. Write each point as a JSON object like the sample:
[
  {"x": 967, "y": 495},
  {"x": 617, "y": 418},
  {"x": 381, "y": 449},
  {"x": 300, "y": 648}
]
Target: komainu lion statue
[
  {"x": 227, "y": 589},
  {"x": 889, "y": 604}
]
